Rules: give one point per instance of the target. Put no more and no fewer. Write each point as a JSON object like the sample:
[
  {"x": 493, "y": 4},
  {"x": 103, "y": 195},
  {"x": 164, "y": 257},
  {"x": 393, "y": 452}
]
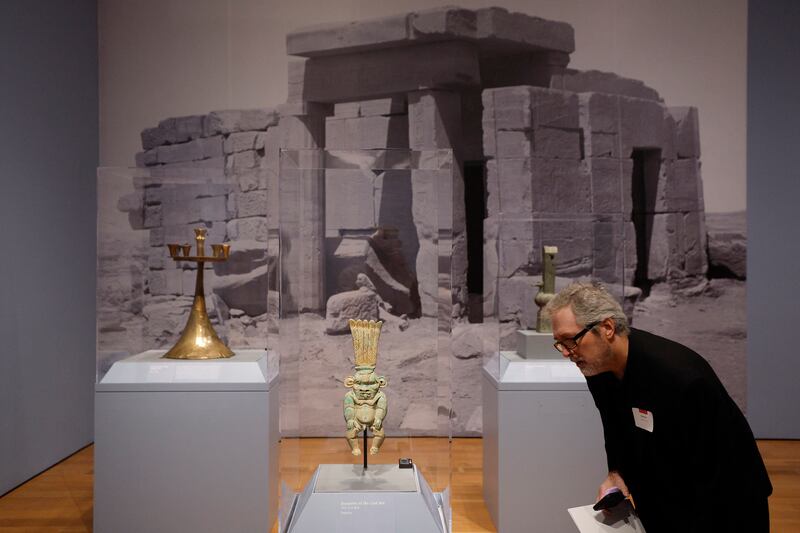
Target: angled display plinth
[
  {"x": 341, "y": 497},
  {"x": 248, "y": 370},
  {"x": 519, "y": 373}
]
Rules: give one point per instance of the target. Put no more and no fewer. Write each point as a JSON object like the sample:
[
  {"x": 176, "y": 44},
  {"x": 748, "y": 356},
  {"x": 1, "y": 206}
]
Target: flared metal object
[{"x": 199, "y": 340}]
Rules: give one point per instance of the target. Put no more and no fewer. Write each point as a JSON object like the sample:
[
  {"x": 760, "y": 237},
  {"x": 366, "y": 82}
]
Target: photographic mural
[{"x": 324, "y": 226}]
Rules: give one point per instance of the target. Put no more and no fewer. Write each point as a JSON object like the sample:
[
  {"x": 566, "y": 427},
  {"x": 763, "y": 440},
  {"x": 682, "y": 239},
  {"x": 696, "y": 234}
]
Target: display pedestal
[
  {"x": 383, "y": 498},
  {"x": 187, "y": 446},
  {"x": 543, "y": 449},
  {"x": 534, "y": 345}
]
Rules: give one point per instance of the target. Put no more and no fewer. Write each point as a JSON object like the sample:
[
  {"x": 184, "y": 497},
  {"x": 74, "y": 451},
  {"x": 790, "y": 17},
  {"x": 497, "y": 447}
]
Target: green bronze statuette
[
  {"x": 365, "y": 405},
  {"x": 547, "y": 288}
]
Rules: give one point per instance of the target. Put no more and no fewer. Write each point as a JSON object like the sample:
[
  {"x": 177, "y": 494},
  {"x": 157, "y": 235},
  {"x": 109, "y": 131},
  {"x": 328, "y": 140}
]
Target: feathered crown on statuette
[{"x": 365, "y": 341}]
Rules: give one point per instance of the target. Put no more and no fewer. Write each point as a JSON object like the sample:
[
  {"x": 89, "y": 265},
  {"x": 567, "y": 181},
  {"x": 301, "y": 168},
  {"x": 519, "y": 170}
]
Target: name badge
[{"x": 643, "y": 419}]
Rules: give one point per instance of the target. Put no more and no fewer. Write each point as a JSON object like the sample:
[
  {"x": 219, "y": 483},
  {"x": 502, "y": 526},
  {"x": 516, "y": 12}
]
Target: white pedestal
[
  {"x": 543, "y": 448},
  {"x": 385, "y": 498},
  {"x": 187, "y": 446}
]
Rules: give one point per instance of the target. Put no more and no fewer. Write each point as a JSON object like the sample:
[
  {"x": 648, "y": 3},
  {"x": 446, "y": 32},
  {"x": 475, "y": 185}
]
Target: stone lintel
[
  {"x": 492, "y": 29},
  {"x": 380, "y": 73},
  {"x": 300, "y": 109},
  {"x": 597, "y": 81}
]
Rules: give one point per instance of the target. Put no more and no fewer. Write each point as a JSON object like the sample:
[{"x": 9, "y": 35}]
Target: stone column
[
  {"x": 302, "y": 206},
  {"x": 434, "y": 121}
]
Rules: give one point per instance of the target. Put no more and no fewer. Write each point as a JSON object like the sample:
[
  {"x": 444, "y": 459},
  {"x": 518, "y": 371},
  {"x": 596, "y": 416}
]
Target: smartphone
[{"x": 612, "y": 499}]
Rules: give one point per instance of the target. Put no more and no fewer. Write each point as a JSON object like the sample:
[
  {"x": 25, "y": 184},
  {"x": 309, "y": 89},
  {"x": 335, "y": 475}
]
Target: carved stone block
[
  {"x": 560, "y": 186},
  {"x": 230, "y": 121},
  {"x": 364, "y": 133},
  {"x": 599, "y": 112},
  {"x": 240, "y": 141},
  {"x": 575, "y": 242},
  {"x": 687, "y": 131},
  {"x": 606, "y": 185},
  {"x": 646, "y": 124},
  {"x": 197, "y": 149},
  {"x": 603, "y": 82},
  {"x": 557, "y": 143}
]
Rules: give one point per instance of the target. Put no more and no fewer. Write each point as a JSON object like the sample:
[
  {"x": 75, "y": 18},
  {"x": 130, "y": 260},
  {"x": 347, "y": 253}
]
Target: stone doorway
[
  {"x": 475, "y": 208},
  {"x": 644, "y": 189}
]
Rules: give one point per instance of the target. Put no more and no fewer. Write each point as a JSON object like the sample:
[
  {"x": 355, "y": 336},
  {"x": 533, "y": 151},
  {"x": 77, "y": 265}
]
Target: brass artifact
[
  {"x": 199, "y": 340},
  {"x": 365, "y": 405},
  {"x": 547, "y": 288}
]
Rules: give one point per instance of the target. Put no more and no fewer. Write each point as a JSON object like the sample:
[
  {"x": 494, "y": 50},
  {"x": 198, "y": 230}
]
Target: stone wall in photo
[{"x": 592, "y": 162}]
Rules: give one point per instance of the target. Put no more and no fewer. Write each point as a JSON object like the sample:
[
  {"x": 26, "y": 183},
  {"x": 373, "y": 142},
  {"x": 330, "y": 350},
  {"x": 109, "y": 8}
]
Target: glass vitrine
[
  {"x": 529, "y": 259},
  {"x": 186, "y": 258},
  {"x": 145, "y": 291},
  {"x": 541, "y": 432},
  {"x": 365, "y": 235}
]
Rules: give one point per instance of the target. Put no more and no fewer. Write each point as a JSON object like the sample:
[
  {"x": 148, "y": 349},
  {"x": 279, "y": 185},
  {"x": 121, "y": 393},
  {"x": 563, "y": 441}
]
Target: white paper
[{"x": 588, "y": 520}]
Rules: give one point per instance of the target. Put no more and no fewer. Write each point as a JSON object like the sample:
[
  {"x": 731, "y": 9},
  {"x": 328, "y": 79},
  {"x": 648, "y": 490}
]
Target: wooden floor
[{"x": 60, "y": 499}]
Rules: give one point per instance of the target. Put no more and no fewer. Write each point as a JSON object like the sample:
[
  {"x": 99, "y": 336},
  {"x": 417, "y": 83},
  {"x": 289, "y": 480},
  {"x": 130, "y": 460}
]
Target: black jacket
[{"x": 699, "y": 469}]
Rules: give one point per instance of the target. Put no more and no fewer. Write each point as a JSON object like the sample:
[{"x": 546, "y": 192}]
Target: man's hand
[{"x": 612, "y": 480}]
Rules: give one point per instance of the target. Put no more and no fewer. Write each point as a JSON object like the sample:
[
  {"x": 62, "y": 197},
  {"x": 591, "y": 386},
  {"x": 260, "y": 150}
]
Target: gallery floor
[{"x": 60, "y": 499}]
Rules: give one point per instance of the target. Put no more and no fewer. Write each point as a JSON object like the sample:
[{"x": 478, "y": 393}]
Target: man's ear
[
  {"x": 609, "y": 328},
  {"x": 349, "y": 381}
]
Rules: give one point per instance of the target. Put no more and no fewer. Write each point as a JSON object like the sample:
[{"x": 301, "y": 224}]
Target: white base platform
[
  {"x": 543, "y": 449},
  {"x": 187, "y": 446},
  {"x": 386, "y": 498}
]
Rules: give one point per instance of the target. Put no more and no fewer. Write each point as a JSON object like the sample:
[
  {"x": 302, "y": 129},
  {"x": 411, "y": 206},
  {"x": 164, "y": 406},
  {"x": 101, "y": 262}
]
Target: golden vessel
[{"x": 199, "y": 340}]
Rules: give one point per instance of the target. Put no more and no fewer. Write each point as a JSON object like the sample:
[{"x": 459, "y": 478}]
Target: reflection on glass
[{"x": 361, "y": 237}]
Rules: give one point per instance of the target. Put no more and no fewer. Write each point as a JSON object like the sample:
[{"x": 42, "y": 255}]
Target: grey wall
[
  {"x": 773, "y": 191},
  {"x": 48, "y": 156}
]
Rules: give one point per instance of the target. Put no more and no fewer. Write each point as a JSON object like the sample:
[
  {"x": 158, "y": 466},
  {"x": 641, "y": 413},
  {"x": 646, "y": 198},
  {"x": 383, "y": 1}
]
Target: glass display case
[
  {"x": 145, "y": 295},
  {"x": 365, "y": 234},
  {"x": 539, "y": 420},
  {"x": 529, "y": 259},
  {"x": 186, "y": 399}
]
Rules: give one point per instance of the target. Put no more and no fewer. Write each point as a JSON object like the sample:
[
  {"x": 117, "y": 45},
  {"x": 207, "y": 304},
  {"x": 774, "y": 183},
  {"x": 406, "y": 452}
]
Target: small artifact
[
  {"x": 547, "y": 288},
  {"x": 365, "y": 405},
  {"x": 199, "y": 340}
]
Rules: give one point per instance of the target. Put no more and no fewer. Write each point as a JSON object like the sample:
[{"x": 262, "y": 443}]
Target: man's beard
[{"x": 600, "y": 365}]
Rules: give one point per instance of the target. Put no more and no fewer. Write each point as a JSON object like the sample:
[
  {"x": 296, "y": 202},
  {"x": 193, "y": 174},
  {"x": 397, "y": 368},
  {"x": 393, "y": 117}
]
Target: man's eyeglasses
[{"x": 571, "y": 344}]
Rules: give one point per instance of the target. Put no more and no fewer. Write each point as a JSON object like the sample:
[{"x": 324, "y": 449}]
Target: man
[{"x": 675, "y": 440}]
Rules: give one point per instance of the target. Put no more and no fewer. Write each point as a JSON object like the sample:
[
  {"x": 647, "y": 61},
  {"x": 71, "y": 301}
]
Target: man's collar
[{"x": 632, "y": 360}]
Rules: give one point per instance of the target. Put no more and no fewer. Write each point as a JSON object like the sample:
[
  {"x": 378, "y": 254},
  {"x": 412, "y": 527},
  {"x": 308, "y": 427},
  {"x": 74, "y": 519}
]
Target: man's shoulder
[
  {"x": 668, "y": 359},
  {"x": 641, "y": 339}
]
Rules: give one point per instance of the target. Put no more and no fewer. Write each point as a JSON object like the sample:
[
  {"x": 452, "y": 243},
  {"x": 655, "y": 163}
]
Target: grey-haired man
[{"x": 675, "y": 440}]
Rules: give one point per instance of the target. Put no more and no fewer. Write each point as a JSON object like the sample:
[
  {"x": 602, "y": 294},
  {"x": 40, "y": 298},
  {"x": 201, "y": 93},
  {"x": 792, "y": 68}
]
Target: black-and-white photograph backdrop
[{"x": 614, "y": 130}]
